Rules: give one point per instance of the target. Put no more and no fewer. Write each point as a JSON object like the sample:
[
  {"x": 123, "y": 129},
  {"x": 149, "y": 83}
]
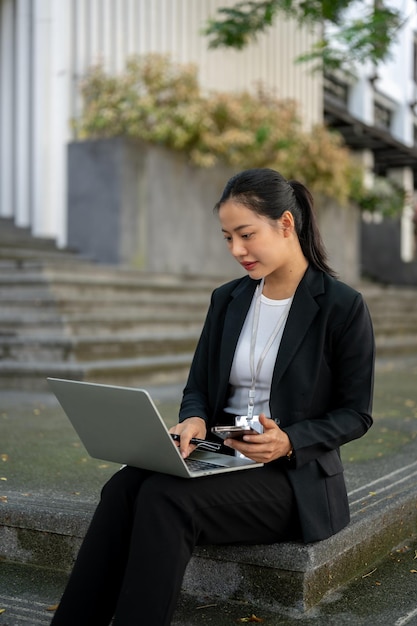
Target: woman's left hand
[{"x": 268, "y": 446}]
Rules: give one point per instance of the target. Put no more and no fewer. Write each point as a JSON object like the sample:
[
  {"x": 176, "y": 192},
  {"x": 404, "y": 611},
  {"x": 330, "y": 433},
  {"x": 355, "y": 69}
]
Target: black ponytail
[
  {"x": 307, "y": 228},
  {"x": 268, "y": 193}
]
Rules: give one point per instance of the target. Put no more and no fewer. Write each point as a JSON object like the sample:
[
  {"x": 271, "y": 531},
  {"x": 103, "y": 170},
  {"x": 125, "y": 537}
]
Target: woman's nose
[{"x": 237, "y": 248}]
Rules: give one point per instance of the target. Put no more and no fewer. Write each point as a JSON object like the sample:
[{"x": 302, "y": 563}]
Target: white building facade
[
  {"x": 47, "y": 46},
  {"x": 375, "y": 109}
]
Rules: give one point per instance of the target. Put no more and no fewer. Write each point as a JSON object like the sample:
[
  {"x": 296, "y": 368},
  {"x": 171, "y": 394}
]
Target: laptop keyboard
[{"x": 195, "y": 465}]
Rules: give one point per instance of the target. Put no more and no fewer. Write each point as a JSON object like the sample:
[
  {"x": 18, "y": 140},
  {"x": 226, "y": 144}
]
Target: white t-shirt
[{"x": 271, "y": 311}]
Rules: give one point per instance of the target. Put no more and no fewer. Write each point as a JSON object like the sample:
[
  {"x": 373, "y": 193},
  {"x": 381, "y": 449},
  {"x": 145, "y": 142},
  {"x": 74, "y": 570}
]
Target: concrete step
[
  {"x": 18, "y": 246},
  {"x": 98, "y": 305},
  {"x": 80, "y": 315},
  {"x": 20, "y": 262},
  {"x": 62, "y": 313},
  {"x": 28, "y": 595},
  {"x": 66, "y": 347},
  {"x": 396, "y": 345},
  {"x": 110, "y": 319},
  {"x": 45, "y": 270},
  {"x": 97, "y": 323},
  {"x": 84, "y": 293},
  {"x": 75, "y": 289},
  {"x": 110, "y": 281},
  {"x": 66, "y": 260},
  {"x": 82, "y": 301},
  {"x": 399, "y": 328},
  {"x": 140, "y": 371},
  {"x": 43, "y": 529},
  {"x": 77, "y": 274},
  {"x": 403, "y": 300},
  {"x": 394, "y": 318},
  {"x": 92, "y": 348},
  {"x": 51, "y": 490},
  {"x": 10, "y": 234},
  {"x": 20, "y": 256},
  {"x": 43, "y": 323}
]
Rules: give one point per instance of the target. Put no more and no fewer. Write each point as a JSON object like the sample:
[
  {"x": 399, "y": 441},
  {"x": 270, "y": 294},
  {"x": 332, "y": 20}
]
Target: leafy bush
[{"x": 161, "y": 102}]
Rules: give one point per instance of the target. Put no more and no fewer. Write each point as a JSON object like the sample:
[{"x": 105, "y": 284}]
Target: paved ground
[
  {"x": 386, "y": 597},
  {"x": 40, "y": 455}
]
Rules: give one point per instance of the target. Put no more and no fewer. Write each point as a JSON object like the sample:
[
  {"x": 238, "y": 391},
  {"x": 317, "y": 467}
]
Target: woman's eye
[{"x": 245, "y": 236}]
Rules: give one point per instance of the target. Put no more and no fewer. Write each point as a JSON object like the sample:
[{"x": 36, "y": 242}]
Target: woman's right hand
[{"x": 192, "y": 427}]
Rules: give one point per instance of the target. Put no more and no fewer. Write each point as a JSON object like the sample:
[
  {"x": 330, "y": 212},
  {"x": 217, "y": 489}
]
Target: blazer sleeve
[
  {"x": 347, "y": 416},
  {"x": 195, "y": 400}
]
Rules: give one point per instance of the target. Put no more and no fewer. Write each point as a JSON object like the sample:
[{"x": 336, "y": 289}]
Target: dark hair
[{"x": 268, "y": 193}]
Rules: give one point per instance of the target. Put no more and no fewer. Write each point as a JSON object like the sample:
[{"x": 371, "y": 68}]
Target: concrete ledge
[
  {"x": 297, "y": 575},
  {"x": 48, "y": 532}
]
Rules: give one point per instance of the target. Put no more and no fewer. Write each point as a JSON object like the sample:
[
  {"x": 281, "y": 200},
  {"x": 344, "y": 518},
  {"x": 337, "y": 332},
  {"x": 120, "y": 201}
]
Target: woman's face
[{"x": 258, "y": 243}]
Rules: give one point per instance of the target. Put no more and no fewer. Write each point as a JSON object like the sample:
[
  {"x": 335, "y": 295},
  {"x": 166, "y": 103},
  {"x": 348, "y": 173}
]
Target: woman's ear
[{"x": 287, "y": 223}]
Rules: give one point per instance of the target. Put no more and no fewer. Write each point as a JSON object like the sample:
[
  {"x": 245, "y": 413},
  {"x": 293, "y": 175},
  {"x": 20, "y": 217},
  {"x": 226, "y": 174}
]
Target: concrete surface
[{"x": 41, "y": 457}]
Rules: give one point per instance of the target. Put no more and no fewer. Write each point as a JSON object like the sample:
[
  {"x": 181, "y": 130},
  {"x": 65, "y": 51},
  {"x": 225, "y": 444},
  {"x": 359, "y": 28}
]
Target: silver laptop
[{"x": 123, "y": 425}]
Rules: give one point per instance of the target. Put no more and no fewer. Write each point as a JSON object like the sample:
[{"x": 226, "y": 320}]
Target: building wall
[
  {"x": 381, "y": 259},
  {"x": 386, "y": 97},
  {"x": 46, "y": 48}
]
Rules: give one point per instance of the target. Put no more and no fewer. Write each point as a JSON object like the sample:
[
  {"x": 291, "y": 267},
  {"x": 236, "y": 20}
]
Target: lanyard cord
[{"x": 255, "y": 324}]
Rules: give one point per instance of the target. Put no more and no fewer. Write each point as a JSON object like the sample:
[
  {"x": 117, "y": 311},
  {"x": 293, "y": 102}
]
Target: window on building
[
  {"x": 382, "y": 115},
  {"x": 336, "y": 88}
]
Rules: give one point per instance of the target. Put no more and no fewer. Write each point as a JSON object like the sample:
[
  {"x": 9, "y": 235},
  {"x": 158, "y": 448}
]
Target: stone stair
[
  {"x": 63, "y": 315},
  {"x": 394, "y": 316}
]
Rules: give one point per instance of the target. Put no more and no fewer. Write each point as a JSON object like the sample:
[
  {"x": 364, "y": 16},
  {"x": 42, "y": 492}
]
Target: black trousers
[{"x": 133, "y": 558}]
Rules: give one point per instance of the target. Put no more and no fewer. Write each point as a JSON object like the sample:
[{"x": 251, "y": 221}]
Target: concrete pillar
[
  {"x": 365, "y": 159},
  {"x": 404, "y": 177},
  {"x": 60, "y": 120},
  {"x": 361, "y": 103},
  {"x": 51, "y": 115},
  {"x": 7, "y": 126},
  {"x": 23, "y": 84},
  {"x": 41, "y": 111}
]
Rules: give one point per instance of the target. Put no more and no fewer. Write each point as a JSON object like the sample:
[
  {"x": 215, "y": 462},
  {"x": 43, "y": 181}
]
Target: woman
[{"x": 288, "y": 343}]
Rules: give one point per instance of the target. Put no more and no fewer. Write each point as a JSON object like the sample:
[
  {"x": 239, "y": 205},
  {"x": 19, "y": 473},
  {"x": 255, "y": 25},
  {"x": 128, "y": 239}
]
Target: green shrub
[{"x": 161, "y": 102}]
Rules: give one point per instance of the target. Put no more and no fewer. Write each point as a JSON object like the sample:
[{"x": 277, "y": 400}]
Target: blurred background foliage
[{"x": 161, "y": 102}]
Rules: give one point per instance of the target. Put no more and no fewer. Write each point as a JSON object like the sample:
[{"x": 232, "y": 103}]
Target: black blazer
[{"x": 321, "y": 388}]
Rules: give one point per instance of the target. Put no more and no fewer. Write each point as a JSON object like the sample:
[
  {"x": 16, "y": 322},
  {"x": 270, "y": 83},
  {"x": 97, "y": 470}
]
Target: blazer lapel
[
  {"x": 303, "y": 310},
  {"x": 237, "y": 310},
  {"x": 234, "y": 320}
]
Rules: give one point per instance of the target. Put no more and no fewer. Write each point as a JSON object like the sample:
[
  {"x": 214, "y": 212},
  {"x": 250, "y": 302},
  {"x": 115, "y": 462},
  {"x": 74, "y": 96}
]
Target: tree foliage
[{"x": 366, "y": 36}]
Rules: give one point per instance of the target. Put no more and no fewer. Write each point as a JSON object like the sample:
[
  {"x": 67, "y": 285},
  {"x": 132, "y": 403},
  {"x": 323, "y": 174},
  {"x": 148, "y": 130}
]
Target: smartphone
[{"x": 233, "y": 432}]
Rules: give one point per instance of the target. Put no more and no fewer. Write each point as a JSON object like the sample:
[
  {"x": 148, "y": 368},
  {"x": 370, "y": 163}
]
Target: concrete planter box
[
  {"x": 143, "y": 206},
  {"x": 340, "y": 230}
]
